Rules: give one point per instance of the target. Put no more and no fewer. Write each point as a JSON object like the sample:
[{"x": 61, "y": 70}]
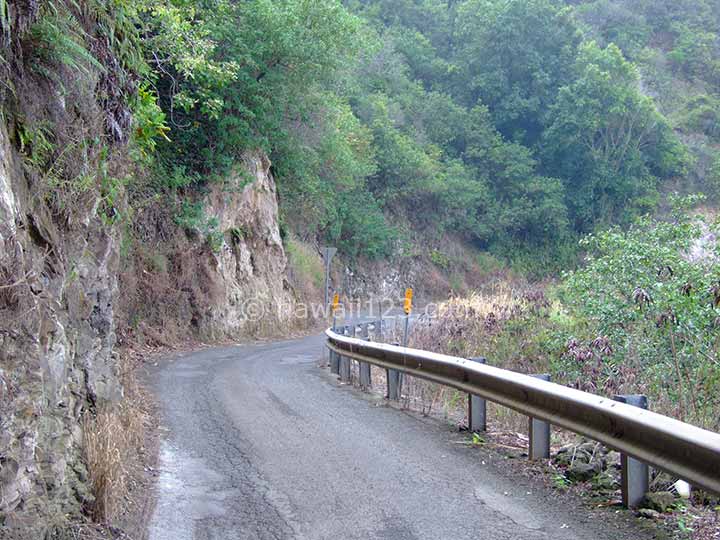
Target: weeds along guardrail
[{"x": 642, "y": 437}]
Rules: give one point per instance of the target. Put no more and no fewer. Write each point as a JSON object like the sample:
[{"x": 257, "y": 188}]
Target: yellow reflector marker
[{"x": 408, "y": 301}]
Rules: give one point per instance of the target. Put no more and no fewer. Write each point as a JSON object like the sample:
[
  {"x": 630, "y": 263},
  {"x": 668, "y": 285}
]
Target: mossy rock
[
  {"x": 604, "y": 482},
  {"x": 573, "y": 454},
  {"x": 661, "y": 501},
  {"x": 582, "y": 472},
  {"x": 648, "y": 514}
]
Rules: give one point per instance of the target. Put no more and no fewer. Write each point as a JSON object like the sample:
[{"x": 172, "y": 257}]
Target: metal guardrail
[{"x": 683, "y": 450}]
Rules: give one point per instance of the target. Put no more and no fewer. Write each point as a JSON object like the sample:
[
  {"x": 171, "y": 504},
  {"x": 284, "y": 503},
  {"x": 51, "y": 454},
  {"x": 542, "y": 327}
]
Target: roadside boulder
[
  {"x": 605, "y": 482},
  {"x": 661, "y": 501},
  {"x": 648, "y": 514},
  {"x": 582, "y": 472}
]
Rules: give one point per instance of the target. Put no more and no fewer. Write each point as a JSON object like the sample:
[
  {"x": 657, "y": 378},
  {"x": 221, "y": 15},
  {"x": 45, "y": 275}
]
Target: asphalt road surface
[{"x": 259, "y": 443}]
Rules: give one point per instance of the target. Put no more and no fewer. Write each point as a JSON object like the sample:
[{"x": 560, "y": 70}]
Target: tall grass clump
[
  {"x": 305, "y": 266},
  {"x": 114, "y": 443}
]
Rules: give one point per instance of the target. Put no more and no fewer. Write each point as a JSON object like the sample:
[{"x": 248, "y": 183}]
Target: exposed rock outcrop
[
  {"x": 56, "y": 340},
  {"x": 58, "y": 302},
  {"x": 68, "y": 290},
  {"x": 250, "y": 266},
  {"x": 224, "y": 281}
]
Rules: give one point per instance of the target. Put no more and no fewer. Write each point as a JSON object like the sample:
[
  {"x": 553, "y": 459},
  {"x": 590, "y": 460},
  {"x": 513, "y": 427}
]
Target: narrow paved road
[{"x": 261, "y": 444}]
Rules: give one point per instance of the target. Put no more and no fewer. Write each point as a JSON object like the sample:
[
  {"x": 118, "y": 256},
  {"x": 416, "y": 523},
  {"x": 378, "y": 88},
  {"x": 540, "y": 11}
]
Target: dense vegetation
[
  {"x": 640, "y": 316},
  {"x": 518, "y": 126},
  {"x": 515, "y": 125},
  {"x": 647, "y": 303}
]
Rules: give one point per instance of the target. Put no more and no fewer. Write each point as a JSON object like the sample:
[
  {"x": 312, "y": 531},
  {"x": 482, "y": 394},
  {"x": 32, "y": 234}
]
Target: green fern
[
  {"x": 57, "y": 43},
  {"x": 36, "y": 145},
  {"x": 118, "y": 22},
  {"x": 5, "y": 21}
]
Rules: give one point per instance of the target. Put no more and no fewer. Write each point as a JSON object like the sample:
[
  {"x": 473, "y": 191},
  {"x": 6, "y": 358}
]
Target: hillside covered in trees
[{"x": 516, "y": 125}]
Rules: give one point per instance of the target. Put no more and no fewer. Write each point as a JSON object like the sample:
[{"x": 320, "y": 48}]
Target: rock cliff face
[
  {"x": 69, "y": 295},
  {"x": 58, "y": 280},
  {"x": 58, "y": 301},
  {"x": 56, "y": 340},
  {"x": 228, "y": 281},
  {"x": 250, "y": 267}
]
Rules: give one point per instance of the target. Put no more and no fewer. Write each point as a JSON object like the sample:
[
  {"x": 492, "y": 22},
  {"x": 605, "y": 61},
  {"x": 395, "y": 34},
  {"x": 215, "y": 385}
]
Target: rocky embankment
[{"x": 65, "y": 287}]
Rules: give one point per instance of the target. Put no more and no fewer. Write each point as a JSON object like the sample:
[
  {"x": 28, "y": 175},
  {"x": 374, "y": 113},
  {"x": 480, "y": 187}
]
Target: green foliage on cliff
[
  {"x": 517, "y": 125},
  {"x": 57, "y": 41}
]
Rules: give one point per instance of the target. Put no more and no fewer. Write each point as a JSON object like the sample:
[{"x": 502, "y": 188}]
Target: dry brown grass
[
  {"x": 114, "y": 440},
  {"x": 165, "y": 289},
  {"x": 464, "y": 327}
]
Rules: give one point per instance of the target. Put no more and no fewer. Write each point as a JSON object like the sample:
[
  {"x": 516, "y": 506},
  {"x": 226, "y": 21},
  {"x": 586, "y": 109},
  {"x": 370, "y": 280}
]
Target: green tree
[
  {"x": 513, "y": 57},
  {"x": 696, "y": 52},
  {"x": 616, "y": 22},
  {"x": 276, "y": 52},
  {"x": 607, "y": 140},
  {"x": 318, "y": 163},
  {"x": 524, "y": 207}
]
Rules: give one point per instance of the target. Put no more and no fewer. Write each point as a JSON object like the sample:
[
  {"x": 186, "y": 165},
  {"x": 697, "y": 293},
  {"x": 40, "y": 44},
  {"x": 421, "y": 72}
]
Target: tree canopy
[{"x": 514, "y": 124}]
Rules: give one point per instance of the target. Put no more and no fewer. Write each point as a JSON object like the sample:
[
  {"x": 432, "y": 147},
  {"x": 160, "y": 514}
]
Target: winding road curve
[{"x": 261, "y": 444}]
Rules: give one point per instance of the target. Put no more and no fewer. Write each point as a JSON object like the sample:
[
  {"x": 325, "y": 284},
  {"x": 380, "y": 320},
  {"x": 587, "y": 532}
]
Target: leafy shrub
[
  {"x": 438, "y": 258},
  {"x": 650, "y": 297},
  {"x": 702, "y": 114},
  {"x": 305, "y": 265},
  {"x": 695, "y": 52},
  {"x": 4, "y": 18},
  {"x": 363, "y": 231},
  {"x": 37, "y": 145},
  {"x": 489, "y": 264},
  {"x": 193, "y": 219},
  {"x": 641, "y": 316},
  {"x": 714, "y": 177},
  {"x": 150, "y": 123},
  {"x": 616, "y": 23}
]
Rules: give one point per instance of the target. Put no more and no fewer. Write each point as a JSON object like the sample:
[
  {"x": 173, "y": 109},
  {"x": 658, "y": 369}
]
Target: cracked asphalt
[{"x": 259, "y": 443}]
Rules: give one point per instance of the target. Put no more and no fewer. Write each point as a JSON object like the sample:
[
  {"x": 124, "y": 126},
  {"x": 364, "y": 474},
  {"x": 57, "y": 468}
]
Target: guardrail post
[
  {"x": 335, "y": 357},
  {"x": 334, "y": 363},
  {"x": 379, "y": 330},
  {"x": 635, "y": 474},
  {"x": 539, "y": 433},
  {"x": 477, "y": 407},
  {"x": 394, "y": 382},
  {"x": 365, "y": 374},
  {"x": 345, "y": 361}
]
